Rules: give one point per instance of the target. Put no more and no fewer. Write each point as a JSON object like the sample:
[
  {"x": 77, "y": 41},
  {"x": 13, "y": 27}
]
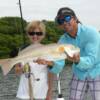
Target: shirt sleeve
[
  {"x": 57, "y": 67},
  {"x": 91, "y": 50}
]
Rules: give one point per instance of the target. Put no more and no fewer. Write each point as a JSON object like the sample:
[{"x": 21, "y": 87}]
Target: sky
[{"x": 86, "y": 10}]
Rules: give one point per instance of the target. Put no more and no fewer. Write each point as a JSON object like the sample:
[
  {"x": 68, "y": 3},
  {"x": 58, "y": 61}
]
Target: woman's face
[{"x": 36, "y": 36}]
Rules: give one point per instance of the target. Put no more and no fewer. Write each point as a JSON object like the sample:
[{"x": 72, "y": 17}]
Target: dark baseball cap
[{"x": 65, "y": 11}]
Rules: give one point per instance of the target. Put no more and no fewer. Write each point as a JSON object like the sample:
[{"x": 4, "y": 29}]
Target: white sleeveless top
[{"x": 39, "y": 82}]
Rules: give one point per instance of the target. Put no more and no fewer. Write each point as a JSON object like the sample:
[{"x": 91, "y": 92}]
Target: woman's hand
[
  {"x": 44, "y": 62},
  {"x": 18, "y": 69}
]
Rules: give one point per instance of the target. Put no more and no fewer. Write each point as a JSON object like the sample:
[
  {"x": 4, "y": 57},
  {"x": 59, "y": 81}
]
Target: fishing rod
[
  {"x": 27, "y": 65},
  {"x": 22, "y": 23},
  {"x": 60, "y": 96},
  {"x": 15, "y": 50},
  {"x": 29, "y": 75}
]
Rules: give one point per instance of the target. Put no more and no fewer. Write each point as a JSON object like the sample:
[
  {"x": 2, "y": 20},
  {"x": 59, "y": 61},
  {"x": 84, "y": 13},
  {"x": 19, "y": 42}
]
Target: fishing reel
[{"x": 26, "y": 70}]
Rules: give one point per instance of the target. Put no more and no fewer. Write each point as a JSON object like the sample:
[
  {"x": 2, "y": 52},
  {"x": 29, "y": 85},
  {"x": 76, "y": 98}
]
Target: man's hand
[{"x": 75, "y": 58}]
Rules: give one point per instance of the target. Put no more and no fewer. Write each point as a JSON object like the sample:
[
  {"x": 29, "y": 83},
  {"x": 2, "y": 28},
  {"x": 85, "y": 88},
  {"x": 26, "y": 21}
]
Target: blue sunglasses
[{"x": 60, "y": 20}]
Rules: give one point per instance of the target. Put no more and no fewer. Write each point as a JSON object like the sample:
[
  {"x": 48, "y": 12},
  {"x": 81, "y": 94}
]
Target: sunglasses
[
  {"x": 60, "y": 20},
  {"x": 35, "y": 33}
]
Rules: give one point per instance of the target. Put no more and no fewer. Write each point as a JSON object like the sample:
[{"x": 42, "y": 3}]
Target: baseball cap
[{"x": 66, "y": 11}]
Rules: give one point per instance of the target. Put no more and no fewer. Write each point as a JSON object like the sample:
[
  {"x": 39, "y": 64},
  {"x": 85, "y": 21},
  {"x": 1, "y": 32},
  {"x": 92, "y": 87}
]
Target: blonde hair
[{"x": 36, "y": 25}]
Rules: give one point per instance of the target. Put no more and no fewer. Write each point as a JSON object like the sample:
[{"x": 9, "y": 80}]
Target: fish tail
[{"x": 6, "y": 65}]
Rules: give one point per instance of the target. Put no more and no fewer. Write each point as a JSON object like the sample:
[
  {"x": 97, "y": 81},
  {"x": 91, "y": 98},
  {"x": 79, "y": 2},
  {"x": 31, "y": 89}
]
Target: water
[{"x": 9, "y": 85}]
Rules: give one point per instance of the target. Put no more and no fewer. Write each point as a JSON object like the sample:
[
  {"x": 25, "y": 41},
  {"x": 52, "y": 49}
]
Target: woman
[{"x": 40, "y": 82}]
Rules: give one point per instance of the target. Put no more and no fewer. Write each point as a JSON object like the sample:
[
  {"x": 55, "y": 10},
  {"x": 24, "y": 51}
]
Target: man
[{"x": 86, "y": 65}]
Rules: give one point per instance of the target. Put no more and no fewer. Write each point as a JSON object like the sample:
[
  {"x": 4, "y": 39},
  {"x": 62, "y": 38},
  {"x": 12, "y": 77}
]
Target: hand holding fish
[
  {"x": 44, "y": 62},
  {"x": 18, "y": 69},
  {"x": 75, "y": 58}
]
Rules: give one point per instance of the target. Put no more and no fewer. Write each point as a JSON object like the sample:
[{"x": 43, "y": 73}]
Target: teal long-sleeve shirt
[{"x": 88, "y": 40}]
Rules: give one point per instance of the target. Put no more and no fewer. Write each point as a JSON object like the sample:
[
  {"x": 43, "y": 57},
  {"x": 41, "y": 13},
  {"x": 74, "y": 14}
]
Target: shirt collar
[{"x": 79, "y": 29}]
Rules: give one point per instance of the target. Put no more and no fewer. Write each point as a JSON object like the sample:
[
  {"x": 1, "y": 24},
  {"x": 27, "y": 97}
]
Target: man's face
[{"x": 67, "y": 23}]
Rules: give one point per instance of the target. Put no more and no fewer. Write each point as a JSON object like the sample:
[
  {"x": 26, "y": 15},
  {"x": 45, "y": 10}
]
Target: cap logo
[{"x": 64, "y": 11}]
